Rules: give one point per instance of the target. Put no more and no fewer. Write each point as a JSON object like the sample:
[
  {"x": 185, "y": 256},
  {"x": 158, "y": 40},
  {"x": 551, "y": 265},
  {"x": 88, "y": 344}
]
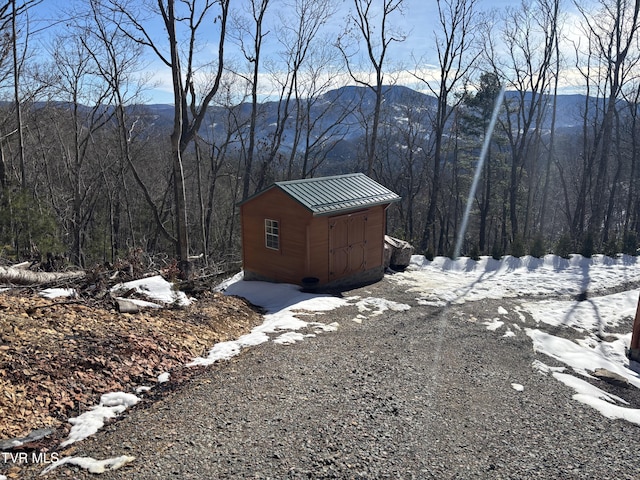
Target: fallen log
[{"x": 19, "y": 276}]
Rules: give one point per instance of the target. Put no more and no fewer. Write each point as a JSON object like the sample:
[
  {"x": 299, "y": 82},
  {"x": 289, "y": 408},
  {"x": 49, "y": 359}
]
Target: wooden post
[{"x": 634, "y": 348}]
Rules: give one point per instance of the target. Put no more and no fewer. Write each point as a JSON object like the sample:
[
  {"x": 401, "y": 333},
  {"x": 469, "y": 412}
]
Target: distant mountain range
[{"x": 339, "y": 119}]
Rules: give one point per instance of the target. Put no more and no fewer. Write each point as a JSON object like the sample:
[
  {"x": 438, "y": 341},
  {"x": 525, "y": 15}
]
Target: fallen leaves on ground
[{"x": 58, "y": 356}]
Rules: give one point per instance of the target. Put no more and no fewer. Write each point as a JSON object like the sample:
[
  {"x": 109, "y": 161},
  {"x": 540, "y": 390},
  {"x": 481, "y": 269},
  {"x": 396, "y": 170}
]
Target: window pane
[{"x": 272, "y": 231}]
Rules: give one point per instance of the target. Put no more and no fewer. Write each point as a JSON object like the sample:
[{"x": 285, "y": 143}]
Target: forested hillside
[{"x": 91, "y": 170}]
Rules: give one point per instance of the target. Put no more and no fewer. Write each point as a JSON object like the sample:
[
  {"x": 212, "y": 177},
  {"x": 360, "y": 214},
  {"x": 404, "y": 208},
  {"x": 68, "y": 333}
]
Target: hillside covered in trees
[{"x": 90, "y": 171}]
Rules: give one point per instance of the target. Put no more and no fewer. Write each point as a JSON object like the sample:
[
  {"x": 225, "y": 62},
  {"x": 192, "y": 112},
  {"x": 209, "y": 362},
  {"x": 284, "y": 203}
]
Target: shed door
[{"x": 347, "y": 245}]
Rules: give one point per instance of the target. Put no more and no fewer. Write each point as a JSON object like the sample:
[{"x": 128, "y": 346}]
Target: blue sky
[{"x": 418, "y": 22}]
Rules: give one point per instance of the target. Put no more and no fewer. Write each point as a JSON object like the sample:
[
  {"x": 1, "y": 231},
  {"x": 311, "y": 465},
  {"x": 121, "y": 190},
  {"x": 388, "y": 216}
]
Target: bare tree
[
  {"x": 530, "y": 34},
  {"x": 117, "y": 58},
  {"x": 551, "y": 11},
  {"x": 632, "y": 212},
  {"x": 249, "y": 35},
  {"x": 403, "y": 166},
  {"x": 87, "y": 96},
  {"x": 457, "y": 52},
  {"x": 297, "y": 35},
  {"x": 373, "y": 26},
  {"x": 614, "y": 42},
  {"x": 180, "y": 57},
  {"x": 320, "y": 124},
  {"x": 14, "y": 44}
]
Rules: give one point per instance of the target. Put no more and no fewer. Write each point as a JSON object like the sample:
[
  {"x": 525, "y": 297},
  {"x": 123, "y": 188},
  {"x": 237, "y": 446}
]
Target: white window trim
[{"x": 269, "y": 224}]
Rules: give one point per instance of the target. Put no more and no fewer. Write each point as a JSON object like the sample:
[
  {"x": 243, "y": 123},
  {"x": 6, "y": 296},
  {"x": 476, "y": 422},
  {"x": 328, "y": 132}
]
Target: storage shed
[{"x": 325, "y": 232}]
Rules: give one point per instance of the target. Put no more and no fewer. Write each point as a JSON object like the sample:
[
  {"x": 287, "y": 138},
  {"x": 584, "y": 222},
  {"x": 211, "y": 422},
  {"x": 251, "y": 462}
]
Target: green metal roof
[{"x": 340, "y": 193}]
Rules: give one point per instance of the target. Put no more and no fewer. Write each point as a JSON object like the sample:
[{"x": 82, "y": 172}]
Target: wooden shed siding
[
  {"x": 347, "y": 264},
  {"x": 304, "y": 240},
  {"x": 376, "y": 229},
  {"x": 318, "y": 251},
  {"x": 288, "y": 263}
]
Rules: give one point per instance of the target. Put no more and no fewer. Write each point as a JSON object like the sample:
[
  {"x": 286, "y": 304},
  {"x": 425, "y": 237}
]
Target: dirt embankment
[{"x": 58, "y": 356}]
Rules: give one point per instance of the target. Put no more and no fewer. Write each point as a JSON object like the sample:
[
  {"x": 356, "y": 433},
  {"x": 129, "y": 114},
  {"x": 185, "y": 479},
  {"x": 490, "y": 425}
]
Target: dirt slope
[{"x": 58, "y": 356}]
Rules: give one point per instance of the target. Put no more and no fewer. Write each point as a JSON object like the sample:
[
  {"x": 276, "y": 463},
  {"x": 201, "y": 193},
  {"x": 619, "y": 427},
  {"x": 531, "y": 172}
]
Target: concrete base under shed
[{"x": 359, "y": 279}]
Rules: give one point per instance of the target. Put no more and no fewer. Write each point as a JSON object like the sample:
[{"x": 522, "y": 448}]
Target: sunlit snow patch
[
  {"x": 284, "y": 305},
  {"x": 591, "y": 315},
  {"x": 509, "y": 333},
  {"x": 494, "y": 324},
  {"x": 443, "y": 280},
  {"x": 227, "y": 350},
  {"x": 58, "y": 292},
  {"x": 292, "y": 337},
  {"x": 91, "y": 464},
  {"x": 544, "y": 368},
  {"x": 377, "y": 306},
  {"x": 599, "y": 399},
  {"x": 156, "y": 288},
  {"x": 88, "y": 423},
  {"x": 582, "y": 359}
]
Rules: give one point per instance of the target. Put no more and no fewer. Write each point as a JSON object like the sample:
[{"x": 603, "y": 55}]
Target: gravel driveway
[{"x": 424, "y": 393}]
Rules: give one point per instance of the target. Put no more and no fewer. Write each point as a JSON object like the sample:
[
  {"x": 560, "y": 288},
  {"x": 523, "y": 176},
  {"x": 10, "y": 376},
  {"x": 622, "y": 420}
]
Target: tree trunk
[{"x": 19, "y": 276}]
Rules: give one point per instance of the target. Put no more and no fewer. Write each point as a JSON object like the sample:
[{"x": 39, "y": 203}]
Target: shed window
[{"x": 272, "y": 234}]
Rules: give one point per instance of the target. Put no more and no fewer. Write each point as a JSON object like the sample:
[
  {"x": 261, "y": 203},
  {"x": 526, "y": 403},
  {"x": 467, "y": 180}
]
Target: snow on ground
[
  {"x": 58, "y": 292},
  {"x": 90, "y": 464},
  {"x": 286, "y": 306},
  {"x": 292, "y": 315},
  {"x": 444, "y": 281},
  {"x": 155, "y": 288},
  {"x": 463, "y": 280},
  {"x": 88, "y": 423}
]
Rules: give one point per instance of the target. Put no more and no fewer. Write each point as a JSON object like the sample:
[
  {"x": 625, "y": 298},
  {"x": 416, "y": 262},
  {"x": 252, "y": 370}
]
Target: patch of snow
[
  {"x": 378, "y": 306},
  {"x": 88, "y": 423},
  {"x": 140, "y": 303},
  {"x": 517, "y": 387},
  {"x": 91, "y": 464},
  {"x": 581, "y": 359},
  {"x": 589, "y": 315},
  {"x": 289, "y": 338},
  {"x": 432, "y": 303},
  {"x": 163, "y": 377},
  {"x": 599, "y": 399},
  {"x": 58, "y": 292},
  {"x": 494, "y": 324},
  {"x": 614, "y": 351},
  {"x": 544, "y": 368},
  {"x": 445, "y": 281},
  {"x": 284, "y": 304},
  {"x": 231, "y": 348},
  {"x": 156, "y": 288},
  {"x": 582, "y": 387},
  {"x": 463, "y": 280},
  {"x": 324, "y": 327}
]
